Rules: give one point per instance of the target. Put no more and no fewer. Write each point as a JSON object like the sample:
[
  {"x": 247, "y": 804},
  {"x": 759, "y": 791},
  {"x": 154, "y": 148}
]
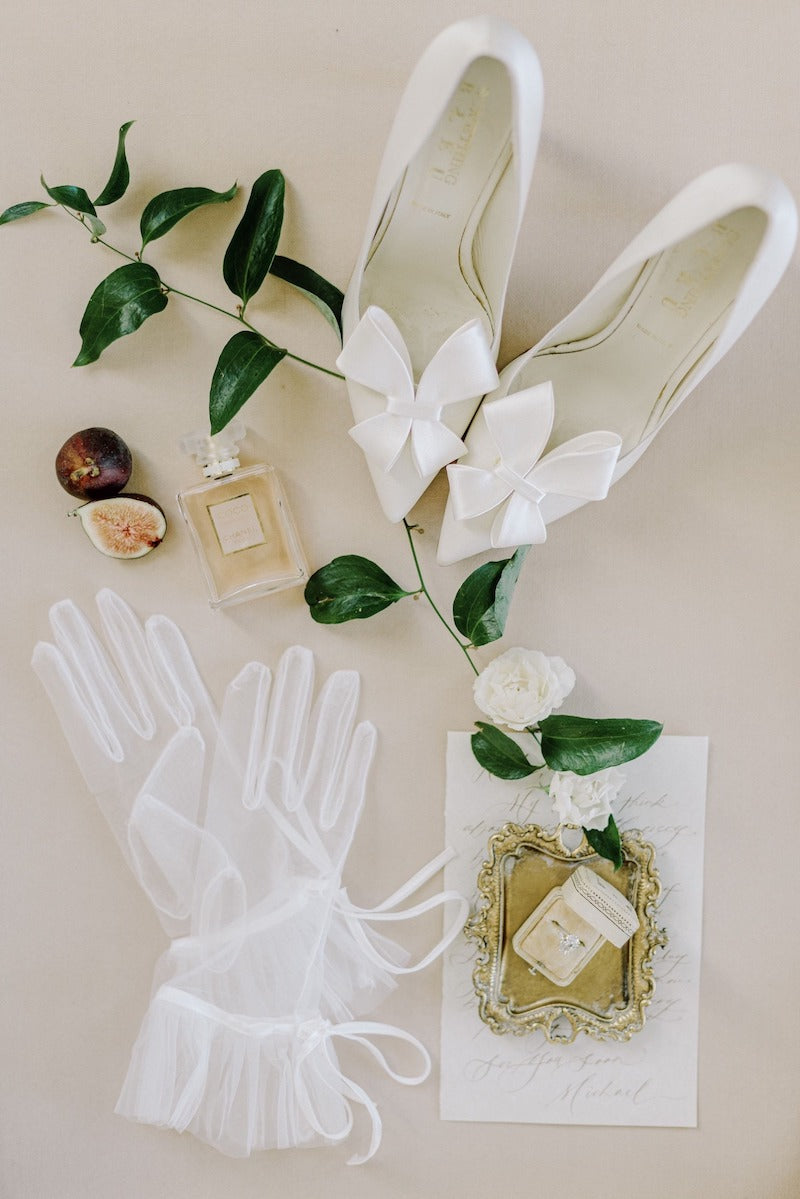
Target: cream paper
[{"x": 651, "y": 1079}]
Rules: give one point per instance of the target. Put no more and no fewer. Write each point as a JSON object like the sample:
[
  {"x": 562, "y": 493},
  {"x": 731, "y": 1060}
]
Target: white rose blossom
[
  {"x": 585, "y": 799},
  {"x": 522, "y": 686}
]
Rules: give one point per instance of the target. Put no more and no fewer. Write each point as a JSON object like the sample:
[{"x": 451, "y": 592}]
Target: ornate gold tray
[{"x": 608, "y": 998}]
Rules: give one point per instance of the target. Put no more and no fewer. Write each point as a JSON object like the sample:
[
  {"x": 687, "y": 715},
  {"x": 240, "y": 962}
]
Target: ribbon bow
[
  {"x": 324, "y": 1070},
  {"x": 377, "y": 357},
  {"x": 520, "y": 425}
]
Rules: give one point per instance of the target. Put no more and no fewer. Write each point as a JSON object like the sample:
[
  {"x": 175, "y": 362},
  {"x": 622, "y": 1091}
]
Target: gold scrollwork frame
[{"x": 509, "y": 1001}]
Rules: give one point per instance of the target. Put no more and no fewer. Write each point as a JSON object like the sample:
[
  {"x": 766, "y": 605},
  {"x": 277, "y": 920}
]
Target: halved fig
[
  {"x": 94, "y": 464},
  {"x": 123, "y": 526}
]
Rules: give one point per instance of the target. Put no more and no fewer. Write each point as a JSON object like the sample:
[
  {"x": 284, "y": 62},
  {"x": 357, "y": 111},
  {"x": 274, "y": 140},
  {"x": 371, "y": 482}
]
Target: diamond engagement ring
[{"x": 567, "y": 942}]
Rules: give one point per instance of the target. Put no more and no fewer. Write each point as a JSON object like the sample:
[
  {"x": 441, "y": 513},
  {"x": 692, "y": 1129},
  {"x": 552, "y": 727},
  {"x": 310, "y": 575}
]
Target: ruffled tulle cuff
[
  {"x": 243, "y": 1084},
  {"x": 228, "y": 1079}
]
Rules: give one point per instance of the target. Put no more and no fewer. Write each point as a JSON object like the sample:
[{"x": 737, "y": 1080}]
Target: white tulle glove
[
  {"x": 238, "y": 1043},
  {"x": 120, "y": 702}
]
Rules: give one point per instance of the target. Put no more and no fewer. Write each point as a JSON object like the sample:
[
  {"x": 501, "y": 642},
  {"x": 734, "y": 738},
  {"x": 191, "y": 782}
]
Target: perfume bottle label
[{"x": 237, "y": 524}]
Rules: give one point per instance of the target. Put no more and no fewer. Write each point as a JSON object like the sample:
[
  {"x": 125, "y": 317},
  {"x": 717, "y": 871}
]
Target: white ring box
[{"x": 572, "y": 923}]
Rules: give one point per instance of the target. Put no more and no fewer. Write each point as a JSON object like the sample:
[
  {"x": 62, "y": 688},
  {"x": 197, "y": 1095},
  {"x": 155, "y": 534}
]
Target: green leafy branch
[
  {"x": 355, "y": 588},
  {"x": 123, "y": 301}
]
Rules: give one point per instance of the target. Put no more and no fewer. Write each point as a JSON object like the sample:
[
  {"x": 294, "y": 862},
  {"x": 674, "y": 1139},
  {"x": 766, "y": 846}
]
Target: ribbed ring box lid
[{"x": 602, "y": 905}]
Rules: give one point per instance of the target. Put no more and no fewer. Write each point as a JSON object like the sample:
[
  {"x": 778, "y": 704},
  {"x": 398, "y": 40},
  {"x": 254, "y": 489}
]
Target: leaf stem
[
  {"x": 236, "y": 316},
  {"x": 424, "y": 590},
  {"x": 216, "y": 308},
  {"x": 324, "y": 369},
  {"x": 95, "y": 237}
]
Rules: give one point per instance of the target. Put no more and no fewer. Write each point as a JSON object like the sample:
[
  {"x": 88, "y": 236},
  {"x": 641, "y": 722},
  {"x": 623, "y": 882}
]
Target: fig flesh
[
  {"x": 94, "y": 464},
  {"x": 123, "y": 526}
]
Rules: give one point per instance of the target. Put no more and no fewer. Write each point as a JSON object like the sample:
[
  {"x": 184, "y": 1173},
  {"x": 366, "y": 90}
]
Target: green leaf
[
  {"x": 243, "y": 366},
  {"x": 480, "y": 608},
  {"x": 16, "y": 211},
  {"x": 120, "y": 175},
  {"x": 76, "y": 199},
  {"x": 350, "y": 588},
  {"x": 322, "y": 294},
  {"x": 167, "y": 208},
  {"x": 250, "y": 254},
  {"x": 118, "y": 306},
  {"x": 583, "y": 745},
  {"x": 71, "y": 197},
  {"x": 606, "y": 842},
  {"x": 499, "y": 754}
]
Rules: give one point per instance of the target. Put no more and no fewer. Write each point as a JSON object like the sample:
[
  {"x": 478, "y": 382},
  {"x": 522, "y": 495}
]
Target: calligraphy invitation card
[{"x": 649, "y": 1080}]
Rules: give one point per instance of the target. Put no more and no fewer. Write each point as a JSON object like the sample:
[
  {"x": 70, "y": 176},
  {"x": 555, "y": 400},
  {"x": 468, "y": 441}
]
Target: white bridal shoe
[
  {"x": 423, "y": 308},
  {"x": 574, "y": 413}
]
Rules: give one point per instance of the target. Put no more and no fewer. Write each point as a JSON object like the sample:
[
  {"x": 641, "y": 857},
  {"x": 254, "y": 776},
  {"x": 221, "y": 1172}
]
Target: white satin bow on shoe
[
  {"x": 621, "y": 363},
  {"x": 377, "y": 357},
  {"x": 422, "y": 312},
  {"x": 505, "y": 498}
]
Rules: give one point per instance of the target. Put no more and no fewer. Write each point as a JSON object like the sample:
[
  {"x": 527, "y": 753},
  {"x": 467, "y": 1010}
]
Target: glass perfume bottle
[{"x": 240, "y": 524}]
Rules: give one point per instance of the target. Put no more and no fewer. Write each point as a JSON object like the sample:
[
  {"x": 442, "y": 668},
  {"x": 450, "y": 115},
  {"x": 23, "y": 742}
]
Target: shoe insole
[
  {"x": 623, "y": 378},
  {"x": 424, "y": 265}
]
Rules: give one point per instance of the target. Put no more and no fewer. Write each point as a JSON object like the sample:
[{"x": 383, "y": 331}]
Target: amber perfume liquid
[{"x": 244, "y": 535}]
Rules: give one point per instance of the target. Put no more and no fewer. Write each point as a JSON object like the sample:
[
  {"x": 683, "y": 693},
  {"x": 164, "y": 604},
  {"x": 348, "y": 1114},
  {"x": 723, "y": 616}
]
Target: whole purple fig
[{"x": 93, "y": 464}]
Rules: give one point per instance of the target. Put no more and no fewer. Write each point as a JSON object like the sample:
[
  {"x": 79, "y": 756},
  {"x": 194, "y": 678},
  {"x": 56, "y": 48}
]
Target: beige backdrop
[{"x": 677, "y": 598}]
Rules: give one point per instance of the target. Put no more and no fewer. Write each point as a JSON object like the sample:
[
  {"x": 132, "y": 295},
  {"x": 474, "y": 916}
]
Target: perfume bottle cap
[
  {"x": 217, "y": 455},
  {"x": 601, "y": 904}
]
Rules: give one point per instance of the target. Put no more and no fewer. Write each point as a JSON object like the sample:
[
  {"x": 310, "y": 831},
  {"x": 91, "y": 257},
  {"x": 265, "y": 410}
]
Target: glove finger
[
  {"x": 286, "y": 727},
  {"x": 175, "y": 781},
  {"x": 164, "y": 849},
  {"x": 329, "y": 734},
  {"x": 239, "y": 748},
  {"x": 234, "y": 802},
  {"x": 183, "y": 868},
  {"x": 162, "y": 835},
  {"x": 176, "y": 778},
  {"x": 89, "y": 733},
  {"x": 96, "y": 677},
  {"x": 348, "y": 800},
  {"x": 183, "y": 690},
  {"x": 127, "y": 644}
]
